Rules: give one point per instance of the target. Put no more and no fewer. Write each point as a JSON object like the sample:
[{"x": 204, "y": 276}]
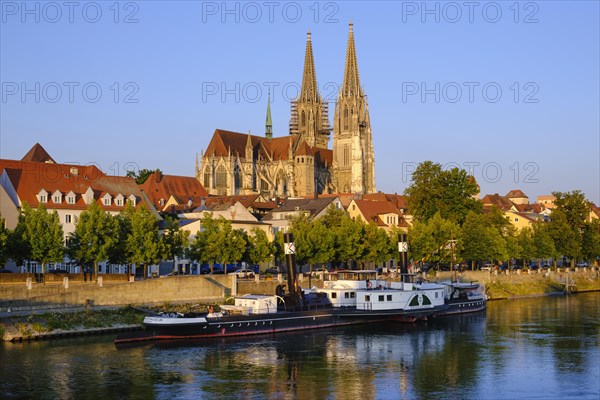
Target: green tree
[
  {"x": 543, "y": 245},
  {"x": 378, "y": 247},
  {"x": 525, "y": 238},
  {"x": 430, "y": 241},
  {"x": 482, "y": 240},
  {"x": 118, "y": 251},
  {"x": 259, "y": 248},
  {"x": 204, "y": 247},
  {"x": 4, "y": 242},
  {"x": 144, "y": 245},
  {"x": 231, "y": 243},
  {"x": 433, "y": 190},
  {"x": 94, "y": 236},
  {"x": 141, "y": 175},
  {"x": 350, "y": 244},
  {"x": 574, "y": 206},
  {"x": 175, "y": 240},
  {"x": 567, "y": 240},
  {"x": 42, "y": 233},
  {"x": 591, "y": 241}
]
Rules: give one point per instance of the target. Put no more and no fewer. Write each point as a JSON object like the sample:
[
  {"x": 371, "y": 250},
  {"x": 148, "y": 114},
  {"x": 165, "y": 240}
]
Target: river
[{"x": 536, "y": 348}]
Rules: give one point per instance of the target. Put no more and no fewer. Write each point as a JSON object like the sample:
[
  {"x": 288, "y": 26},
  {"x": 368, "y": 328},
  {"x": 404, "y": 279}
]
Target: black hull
[
  {"x": 464, "y": 307},
  {"x": 241, "y": 326}
]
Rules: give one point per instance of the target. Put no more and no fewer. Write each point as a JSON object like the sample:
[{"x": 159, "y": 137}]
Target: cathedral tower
[
  {"x": 309, "y": 115},
  {"x": 353, "y": 156}
]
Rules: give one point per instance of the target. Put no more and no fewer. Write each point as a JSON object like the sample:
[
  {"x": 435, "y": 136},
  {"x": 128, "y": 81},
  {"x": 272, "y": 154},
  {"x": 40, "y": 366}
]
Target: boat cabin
[{"x": 251, "y": 304}]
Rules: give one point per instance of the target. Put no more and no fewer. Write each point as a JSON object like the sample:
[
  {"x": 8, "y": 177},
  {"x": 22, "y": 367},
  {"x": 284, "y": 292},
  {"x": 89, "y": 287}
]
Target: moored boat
[{"x": 463, "y": 297}]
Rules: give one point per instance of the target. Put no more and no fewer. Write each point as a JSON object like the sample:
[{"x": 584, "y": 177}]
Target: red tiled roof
[
  {"x": 516, "y": 193},
  {"x": 372, "y": 209},
  {"x": 496, "y": 200},
  {"x": 531, "y": 208},
  {"x": 30, "y": 178},
  {"x": 37, "y": 154},
  {"x": 225, "y": 142},
  {"x": 183, "y": 188},
  {"x": 400, "y": 201}
]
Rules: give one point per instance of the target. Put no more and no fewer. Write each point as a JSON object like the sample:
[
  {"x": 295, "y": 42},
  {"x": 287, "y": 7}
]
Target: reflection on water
[{"x": 543, "y": 348}]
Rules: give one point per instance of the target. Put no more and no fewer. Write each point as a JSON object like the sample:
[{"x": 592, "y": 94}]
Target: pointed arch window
[
  {"x": 346, "y": 155},
  {"x": 345, "y": 117},
  {"x": 303, "y": 119},
  {"x": 207, "y": 178},
  {"x": 221, "y": 177},
  {"x": 237, "y": 177}
]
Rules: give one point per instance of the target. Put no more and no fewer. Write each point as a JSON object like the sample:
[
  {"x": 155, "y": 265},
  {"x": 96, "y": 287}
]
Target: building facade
[{"x": 301, "y": 163}]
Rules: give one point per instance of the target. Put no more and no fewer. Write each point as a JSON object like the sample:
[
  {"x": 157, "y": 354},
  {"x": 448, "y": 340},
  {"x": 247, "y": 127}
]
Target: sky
[{"x": 508, "y": 91}]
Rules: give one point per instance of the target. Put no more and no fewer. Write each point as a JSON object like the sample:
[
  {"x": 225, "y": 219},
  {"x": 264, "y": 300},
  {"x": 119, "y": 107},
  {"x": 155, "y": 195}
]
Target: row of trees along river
[{"x": 441, "y": 202}]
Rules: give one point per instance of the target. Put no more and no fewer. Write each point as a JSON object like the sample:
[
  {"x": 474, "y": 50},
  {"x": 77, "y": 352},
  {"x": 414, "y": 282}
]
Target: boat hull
[
  {"x": 240, "y": 326},
  {"x": 464, "y": 307}
]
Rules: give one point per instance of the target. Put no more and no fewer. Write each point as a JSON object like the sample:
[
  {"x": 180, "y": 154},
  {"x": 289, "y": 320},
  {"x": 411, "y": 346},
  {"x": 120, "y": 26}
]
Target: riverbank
[
  {"x": 47, "y": 325},
  {"x": 85, "y": 320},
  {"x": 528, "y": 284}
]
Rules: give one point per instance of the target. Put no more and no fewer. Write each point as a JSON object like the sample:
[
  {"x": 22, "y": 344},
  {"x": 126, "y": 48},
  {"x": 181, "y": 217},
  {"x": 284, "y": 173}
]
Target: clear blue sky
[{"x": 195, "y": 66}]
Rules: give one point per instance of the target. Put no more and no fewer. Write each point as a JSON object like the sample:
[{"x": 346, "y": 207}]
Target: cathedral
[{"x": 301, "y": 163}]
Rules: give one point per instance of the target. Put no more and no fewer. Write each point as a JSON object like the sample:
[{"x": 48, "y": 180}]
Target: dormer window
[
  {"x": 71, "y": 199},
  {"x": 120, "y": 200},
  {"x": 133, "y": 200},
  {"x": 107, "y": 199},
  {"x": 161, "y": 202},
  {"x": 42, "y": 196}
]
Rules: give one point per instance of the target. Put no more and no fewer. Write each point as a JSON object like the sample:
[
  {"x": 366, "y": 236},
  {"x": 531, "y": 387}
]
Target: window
[
  {"x": 436, "y": 295},
  {"x": 346, "y": 156},
  {"x": 345, "y": 117},
  {"x": 352, "y": 295},
  {"x": 347, "y": 295},
  {"x": 57, "y": 199},
  {"x": 516, "y": 219},
  {"x": 389, "y": 297},
  {"x": 106, "y": 201},
  {"x": 303, "y": 119},
  {"x": 221, "y": 177},
  {"x": 68, "y": 219},
  {"x": 381, "y": 297},
  {"x": 71, "y": 200},
  {"x": 367, "y": 297},
  {"x": 334, "y": 295},
  {"x": 207, "y": 178},
  {"x": 43, "y": 198},
  {"x": 120, "y": 202}
]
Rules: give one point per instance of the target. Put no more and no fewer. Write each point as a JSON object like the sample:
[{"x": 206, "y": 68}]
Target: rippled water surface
[{"x": 540, "y": 348}]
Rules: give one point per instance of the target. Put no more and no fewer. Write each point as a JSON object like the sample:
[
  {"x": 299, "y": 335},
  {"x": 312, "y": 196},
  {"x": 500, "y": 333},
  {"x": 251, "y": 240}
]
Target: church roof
[
  {"x": 223, "y": 142},
  {"x": 182, "y": 188},
  {"x": 38, "y": 154}
]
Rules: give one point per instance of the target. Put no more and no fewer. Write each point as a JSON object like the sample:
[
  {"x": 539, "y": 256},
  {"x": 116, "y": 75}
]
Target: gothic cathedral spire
[
  {"x": 353, "y": 155},
  {"x": 269, "y": 122},
  {"x": 309, "y": 92},
  {"x": 351, "y": 85},
  {"x": 309, "y": 115}
]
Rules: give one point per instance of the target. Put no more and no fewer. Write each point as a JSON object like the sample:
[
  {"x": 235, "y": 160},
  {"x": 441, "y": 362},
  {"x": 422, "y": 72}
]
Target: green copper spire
[{"x": 269, "y": 123}]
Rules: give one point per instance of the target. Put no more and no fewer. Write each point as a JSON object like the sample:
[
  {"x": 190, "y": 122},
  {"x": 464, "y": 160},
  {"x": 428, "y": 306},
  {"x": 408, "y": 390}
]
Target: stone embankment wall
[{"x": 114, "y": 293}]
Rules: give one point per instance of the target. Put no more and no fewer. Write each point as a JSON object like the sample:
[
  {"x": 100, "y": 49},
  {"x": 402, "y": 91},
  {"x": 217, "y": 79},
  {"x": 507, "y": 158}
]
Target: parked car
[
  {"x": 243, "y": 273},
  {"x": 488, "y": 267},
  {"x": 320, "y": 271},
  {"x": 274, "y": 270}
]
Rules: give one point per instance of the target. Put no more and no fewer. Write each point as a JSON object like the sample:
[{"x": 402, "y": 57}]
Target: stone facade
[{"x": 300, "y": 164}]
